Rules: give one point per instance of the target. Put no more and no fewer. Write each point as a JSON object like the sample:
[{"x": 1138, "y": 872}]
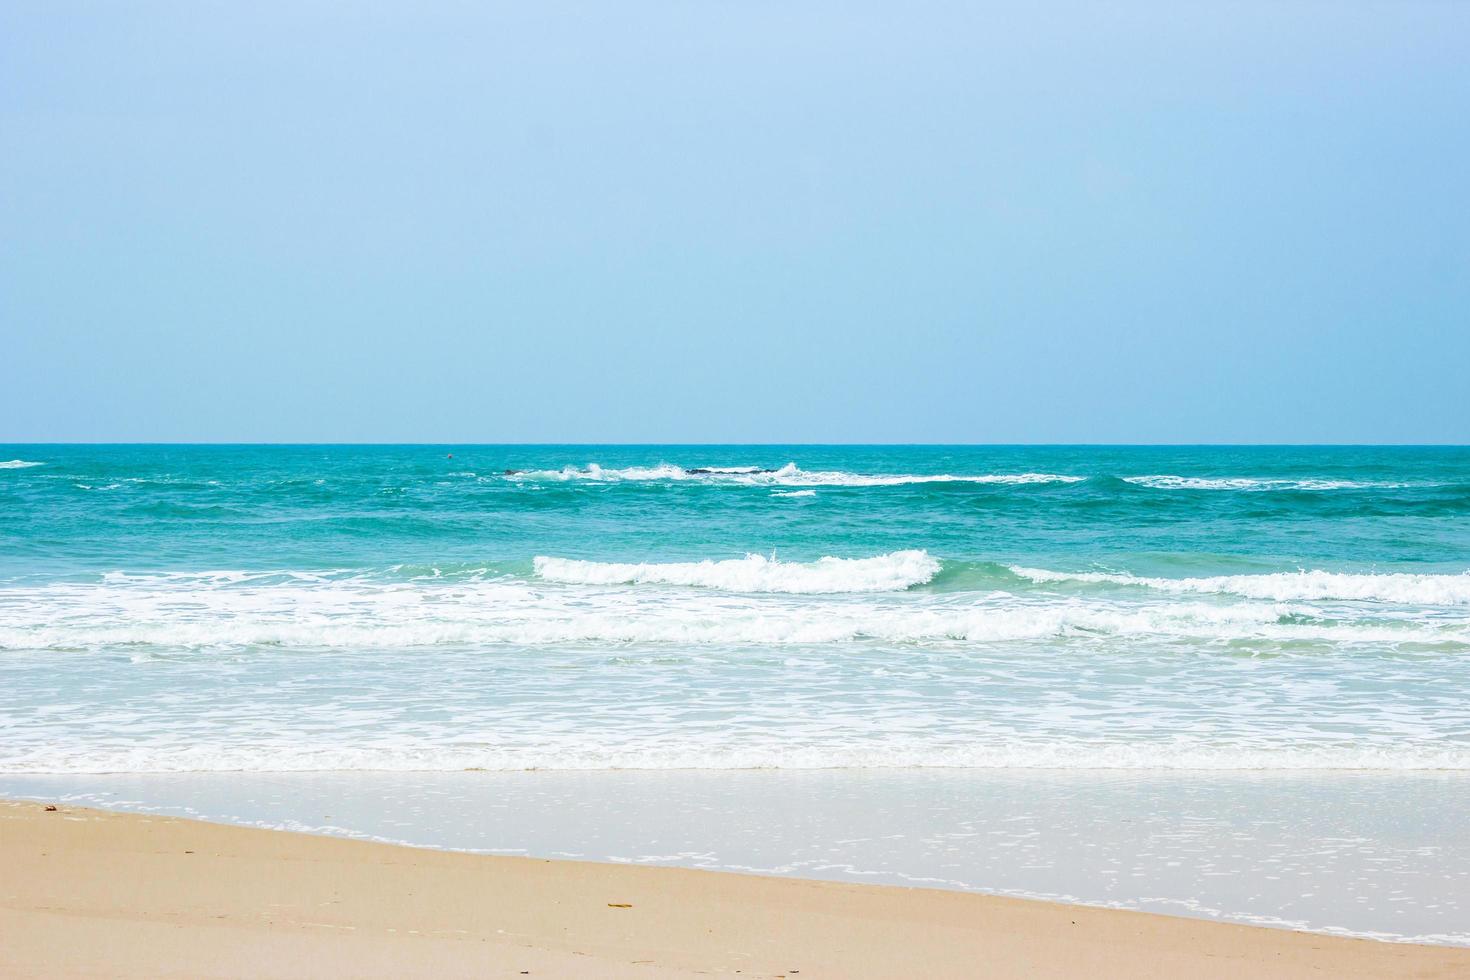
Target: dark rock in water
[{"x": 513, "y": 472}]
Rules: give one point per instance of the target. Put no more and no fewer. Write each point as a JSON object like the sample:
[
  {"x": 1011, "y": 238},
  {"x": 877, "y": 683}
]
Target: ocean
[
  {"x": 197, "y": 608},
  {"x": 1184, "y": 618}
]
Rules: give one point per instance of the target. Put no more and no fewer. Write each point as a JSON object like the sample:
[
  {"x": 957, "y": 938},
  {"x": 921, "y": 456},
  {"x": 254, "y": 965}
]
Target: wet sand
[{"x": 100, "y": 894}]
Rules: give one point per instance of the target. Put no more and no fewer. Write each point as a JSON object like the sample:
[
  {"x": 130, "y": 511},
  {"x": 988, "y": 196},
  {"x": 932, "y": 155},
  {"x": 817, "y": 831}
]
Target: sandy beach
[{"x": 102, "y": 894}]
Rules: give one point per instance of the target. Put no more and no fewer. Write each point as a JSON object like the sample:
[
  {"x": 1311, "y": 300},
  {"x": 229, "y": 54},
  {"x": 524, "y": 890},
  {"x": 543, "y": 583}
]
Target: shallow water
[{"x": 1385, "y": 855}]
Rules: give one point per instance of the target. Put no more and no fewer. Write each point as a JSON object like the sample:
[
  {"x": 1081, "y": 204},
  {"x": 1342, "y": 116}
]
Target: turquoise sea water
[{"x": 180, "y": 608}]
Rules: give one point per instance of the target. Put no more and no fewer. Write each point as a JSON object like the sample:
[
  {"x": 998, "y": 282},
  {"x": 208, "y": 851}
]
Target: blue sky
[{"x": 712, "y": 221}]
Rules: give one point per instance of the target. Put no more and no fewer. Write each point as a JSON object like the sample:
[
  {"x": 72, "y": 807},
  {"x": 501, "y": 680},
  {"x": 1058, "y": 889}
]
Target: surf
[
  {"x": 1404, "y": 588},
  {"x": 789, "y": 475},
  {"x": 754, "y": 573}
]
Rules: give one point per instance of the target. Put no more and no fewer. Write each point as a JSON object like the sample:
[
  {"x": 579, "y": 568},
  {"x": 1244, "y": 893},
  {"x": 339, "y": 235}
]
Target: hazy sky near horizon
[{"x": 706, "y": 221}]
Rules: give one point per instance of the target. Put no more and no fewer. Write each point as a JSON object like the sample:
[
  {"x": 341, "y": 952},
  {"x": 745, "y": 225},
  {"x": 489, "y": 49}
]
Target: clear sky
[{"x": 710, "y": 221}]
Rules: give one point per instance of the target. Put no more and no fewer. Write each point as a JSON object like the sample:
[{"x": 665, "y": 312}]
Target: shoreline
[
  {"x": 104, "y": 893},
  {"x": 1357, "y": 856}
]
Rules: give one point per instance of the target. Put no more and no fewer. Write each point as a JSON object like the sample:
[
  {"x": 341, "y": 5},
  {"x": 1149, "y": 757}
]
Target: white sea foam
[
  {"x": 601, "y": 753},
  {"x": 1165, "y": 481},
  {"x": 18, "y": 464},
  {"x": 1397, "y": 587},
  {"x": 787, "y": 476},
  {"x": 216, "y": 611},
  {"x": 754, "y": 573},
  {"x": 477, "y": 668},
  {"x": 794, "y": 493}
]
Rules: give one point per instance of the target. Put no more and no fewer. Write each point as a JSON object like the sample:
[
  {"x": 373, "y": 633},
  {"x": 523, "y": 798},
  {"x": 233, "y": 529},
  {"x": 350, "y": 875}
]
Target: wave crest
[
  {"x": 18, "y": 464},
  {"x": 754, "y": 573},
  {"x": 1397, "y": 587},
  {"x": 233, "y": 611},
  {"x": 1168, "y": 481},
  {"x": 789, "y": 475}
]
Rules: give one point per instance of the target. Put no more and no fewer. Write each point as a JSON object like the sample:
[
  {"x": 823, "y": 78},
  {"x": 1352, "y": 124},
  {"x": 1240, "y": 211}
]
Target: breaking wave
[
  {"x": 754, "y": 573},
  {"x": 140, "y": 615},
  {"x": 786, "y": 476},
  {"x": 18, "y": 464},
  {"x": 1397, "y": 587},
  {"x": 1166, "y": 481},
  {"x": 790, "y": 475}
]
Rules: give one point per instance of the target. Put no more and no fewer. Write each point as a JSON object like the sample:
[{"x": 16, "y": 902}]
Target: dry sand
[{"x": 98, "y": 894}]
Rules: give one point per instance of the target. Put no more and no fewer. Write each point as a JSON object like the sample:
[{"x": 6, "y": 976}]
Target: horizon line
[{"x": 813, "y": 445}]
